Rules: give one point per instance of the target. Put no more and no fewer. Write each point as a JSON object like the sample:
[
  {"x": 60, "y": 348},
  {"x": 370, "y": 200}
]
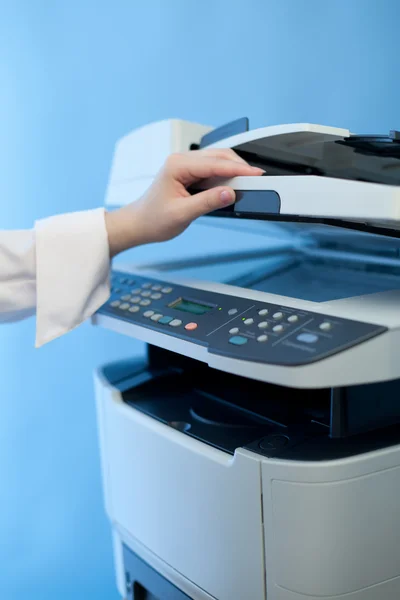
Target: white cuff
[{"x": 72, "y": 271}]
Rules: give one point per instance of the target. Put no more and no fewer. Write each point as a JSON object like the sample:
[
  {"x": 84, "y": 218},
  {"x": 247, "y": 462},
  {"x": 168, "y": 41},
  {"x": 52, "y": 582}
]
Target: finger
[
  {"x": 189, "y": 169},
  {"x": 224, "y": 153},
  {"x": 205, "y": 202}
]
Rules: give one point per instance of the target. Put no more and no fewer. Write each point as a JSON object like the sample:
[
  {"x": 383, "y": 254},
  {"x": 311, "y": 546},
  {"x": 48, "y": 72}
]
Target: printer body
[{"x": 253, "y": 453}]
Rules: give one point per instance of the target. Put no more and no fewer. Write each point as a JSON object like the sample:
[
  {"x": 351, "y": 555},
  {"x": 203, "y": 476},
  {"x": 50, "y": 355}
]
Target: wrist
[{"x": 122, "y": 230}]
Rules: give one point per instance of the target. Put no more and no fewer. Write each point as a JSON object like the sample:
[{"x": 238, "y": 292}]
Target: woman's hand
[{"x": 167, "y": 208}]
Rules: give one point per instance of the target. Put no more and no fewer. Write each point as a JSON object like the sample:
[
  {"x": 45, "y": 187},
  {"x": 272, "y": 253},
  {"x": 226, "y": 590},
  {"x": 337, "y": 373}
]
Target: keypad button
[
  {"x": 263, "y": 312},
  {"x": 148, "y": 314},
  {"x": 175, "y": 323},
  {"x": 325, "y": 326},
  {"x": 156, "y": 317},
  {"x": 134, "y": 309},
  {"x": 232, "y": 311},
  {"x": 131, "y": 282},
  {"x": 249, "y": 321},
  {"x": 277, "y": 328},
  {"x": 234, "y": 330},
  {"x": 277, "y": 315},
  {"x": 166, "y": 290},
  {"x": 238, "y": 340},
  {"x": 165, "y": 320},
  {"x": 156, "y": 288},
  {"x": 124, "y": 306},
  {"x": 262, "y": 338},
  {"x": 293, "y": 319},
  {"x": 146, "y": 285},
  {"x": 126, "y": 297},
  {"x": 144, "y": 302},
  {"x": 135, "y": 299},
  {"x": 146, "y": 294},
  {"x": 115, "y": 303},
  {"x": 308, "y": 338},
  {"x": 263, "y": 325},
  {"x": 156, "y": 296},
  {"x": 191, "y": 326},
  {"x": 136, "y": 291}
]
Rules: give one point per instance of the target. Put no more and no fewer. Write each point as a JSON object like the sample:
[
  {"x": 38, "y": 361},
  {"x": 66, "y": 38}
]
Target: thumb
[{"x": 205, "y": 202}]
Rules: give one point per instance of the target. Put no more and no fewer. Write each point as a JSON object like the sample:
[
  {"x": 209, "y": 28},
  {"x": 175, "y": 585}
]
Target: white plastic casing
[{"x": 245, "y": 527}]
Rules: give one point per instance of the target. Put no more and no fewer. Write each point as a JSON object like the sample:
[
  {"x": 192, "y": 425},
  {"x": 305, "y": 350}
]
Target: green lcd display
[{"x": 190, "y": 306}]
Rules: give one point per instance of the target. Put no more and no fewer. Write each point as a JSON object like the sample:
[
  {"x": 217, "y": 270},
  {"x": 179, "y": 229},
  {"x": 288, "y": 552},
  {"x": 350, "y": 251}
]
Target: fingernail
[
  {"x": 227, "y": 198},
  {"x": 258, "y": 169}
]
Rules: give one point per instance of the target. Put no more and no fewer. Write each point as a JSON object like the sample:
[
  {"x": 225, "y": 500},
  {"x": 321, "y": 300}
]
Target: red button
[{"x": 191, "y": 326}]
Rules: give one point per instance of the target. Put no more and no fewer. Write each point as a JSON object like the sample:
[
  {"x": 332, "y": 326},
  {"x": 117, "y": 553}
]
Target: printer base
[{"x": 234, "y": 523}]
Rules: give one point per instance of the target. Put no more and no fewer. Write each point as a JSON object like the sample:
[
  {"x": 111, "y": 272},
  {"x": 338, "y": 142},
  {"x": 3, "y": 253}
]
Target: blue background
[{"x": 74, "y": 77}]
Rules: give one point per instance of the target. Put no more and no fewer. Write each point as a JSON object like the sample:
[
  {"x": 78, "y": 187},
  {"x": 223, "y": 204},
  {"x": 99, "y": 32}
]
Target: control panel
[{"x": 233, "y": 326}]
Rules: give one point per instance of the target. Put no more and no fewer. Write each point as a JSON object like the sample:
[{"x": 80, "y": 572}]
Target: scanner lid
[
  {"x": 307, "y": 149},
  {"x": 314, "y": 174}
]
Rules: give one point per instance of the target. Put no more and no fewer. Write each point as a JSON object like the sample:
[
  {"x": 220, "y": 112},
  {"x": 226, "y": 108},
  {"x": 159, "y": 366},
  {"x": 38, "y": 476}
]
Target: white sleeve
[{"x": 59, "y": 270}]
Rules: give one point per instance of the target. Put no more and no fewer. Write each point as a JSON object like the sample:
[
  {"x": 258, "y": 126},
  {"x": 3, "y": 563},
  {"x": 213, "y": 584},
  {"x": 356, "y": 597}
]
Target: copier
[{"x": 254, "y": 453}]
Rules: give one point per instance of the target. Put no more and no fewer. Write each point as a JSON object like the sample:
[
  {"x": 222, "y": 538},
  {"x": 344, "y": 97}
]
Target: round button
[
  {"x": 293, "y": 319},
  {"x": 232, "y": 311},
  {"x": 263, "y": 325},
  {"x": 166, "y": 290},
  {"x": 191, "y": 326},
  {"x": 165, "y": 320},
  {"x": 175, "y": 323},
  {"x": 126, "y": 297},
  {"x": 277, "y": 315},
  {"x": 137, "y": 291},
  {"x": 146, "y": 294},
  {"x": 308, "y": 338},
  {"x": 146, "y": 285},
  {"x": 156, "y": 317},
  {"x": 156, "y": 296},
  {"x": 249, "y": 321},
  {"x": 234, "y": 330},
  {"x": 325, "y": 326},
  {"x": 156, "y": 288},
  {"x": 263, "y": 312},
  {"x": 262, "y": 338},
  {"x": 148, "y": 314},
  {"x": 134, "y": 309},
  {"x": 124, "y": 306},
  {"x": 238, "y": 340},
  {"x": 135, "y": 299},
  {"x": 144, "y": 302},
  {"x": 115, "y": 303},
  {"x": 274, "y": 442},
  {"x": 277, "y": 328}
]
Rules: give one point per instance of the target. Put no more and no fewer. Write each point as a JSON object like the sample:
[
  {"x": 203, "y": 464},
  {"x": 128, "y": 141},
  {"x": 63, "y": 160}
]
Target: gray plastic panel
[{"x": 234, "y": 327}]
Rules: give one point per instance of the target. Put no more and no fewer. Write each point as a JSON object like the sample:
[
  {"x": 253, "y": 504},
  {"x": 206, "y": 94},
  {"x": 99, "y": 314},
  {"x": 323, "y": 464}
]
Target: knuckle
[
  {"x": 173, "y": 161},
  {"x": 209, "y": 202}
]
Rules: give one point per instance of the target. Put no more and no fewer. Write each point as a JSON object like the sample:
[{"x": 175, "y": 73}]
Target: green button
[
  {"x": 238, "y": 340},
  {"x": 165, "y": 320}
]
